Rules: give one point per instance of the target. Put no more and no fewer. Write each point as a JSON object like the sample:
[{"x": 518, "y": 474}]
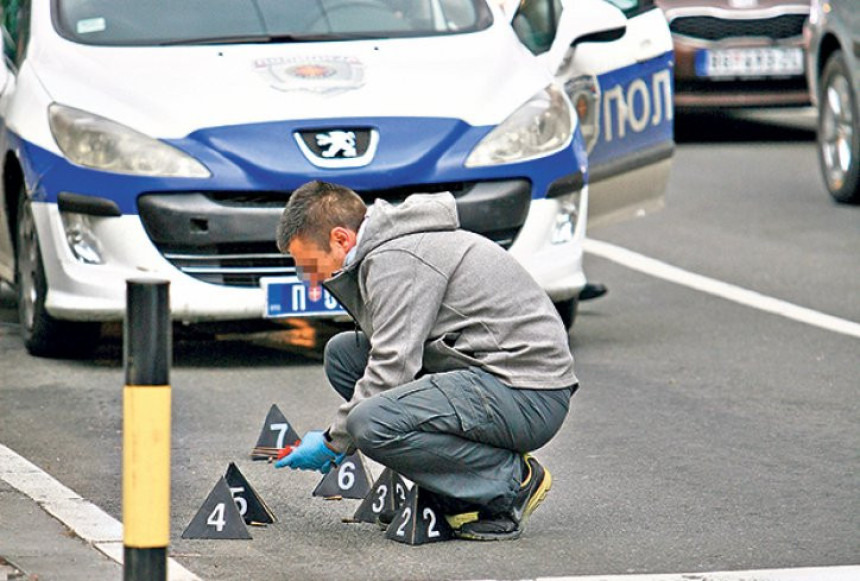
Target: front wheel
[
  {"x": 839, "y": 132},
  {"x": 43, "y": 335}
]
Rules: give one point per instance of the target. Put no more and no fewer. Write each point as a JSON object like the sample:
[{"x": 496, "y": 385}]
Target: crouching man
[{"x": 461, "y": 367}]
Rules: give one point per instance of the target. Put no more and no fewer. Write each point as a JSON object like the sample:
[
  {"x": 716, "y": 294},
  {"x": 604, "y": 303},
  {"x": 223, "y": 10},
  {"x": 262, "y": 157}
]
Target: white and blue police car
[{"x": 161, "y": 139}]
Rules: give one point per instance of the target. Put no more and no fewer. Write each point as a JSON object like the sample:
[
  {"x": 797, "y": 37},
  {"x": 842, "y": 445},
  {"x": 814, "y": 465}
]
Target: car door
[{"x": 619, "y": 80}]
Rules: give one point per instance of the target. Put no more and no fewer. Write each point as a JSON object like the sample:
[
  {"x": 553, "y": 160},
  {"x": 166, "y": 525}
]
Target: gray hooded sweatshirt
[{"x": 433, "y": 298}]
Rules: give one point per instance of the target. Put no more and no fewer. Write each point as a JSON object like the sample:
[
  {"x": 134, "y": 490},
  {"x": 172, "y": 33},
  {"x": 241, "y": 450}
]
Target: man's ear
[{"x": 343, "y": 238}]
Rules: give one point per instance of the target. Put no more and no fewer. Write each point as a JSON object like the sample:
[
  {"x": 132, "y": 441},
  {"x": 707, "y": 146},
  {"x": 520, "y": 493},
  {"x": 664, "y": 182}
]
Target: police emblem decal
[
  {"x": 323, "y": 74},
  {"x": 311, "y": 71}
]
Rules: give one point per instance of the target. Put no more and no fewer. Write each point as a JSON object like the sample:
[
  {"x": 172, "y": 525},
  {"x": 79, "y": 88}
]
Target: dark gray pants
[{"x": 460, "y": 434}]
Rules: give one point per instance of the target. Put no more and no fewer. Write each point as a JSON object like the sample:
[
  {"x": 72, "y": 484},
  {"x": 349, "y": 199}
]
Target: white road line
[
  {"x": 642, "y": 263},
  {"x": 87, "y": 520},
  {"x": 839, "y": 573}
]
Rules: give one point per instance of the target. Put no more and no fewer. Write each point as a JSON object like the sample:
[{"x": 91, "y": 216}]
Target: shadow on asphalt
[
  {"x": 293, "y": 342},
  {"x": 745, "y": 126},
  {"x": 296, "y": 342}
]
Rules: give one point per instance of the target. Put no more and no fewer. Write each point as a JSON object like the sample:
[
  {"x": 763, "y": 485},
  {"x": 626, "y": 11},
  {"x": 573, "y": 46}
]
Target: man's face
[{"x": 315, "y": 264}]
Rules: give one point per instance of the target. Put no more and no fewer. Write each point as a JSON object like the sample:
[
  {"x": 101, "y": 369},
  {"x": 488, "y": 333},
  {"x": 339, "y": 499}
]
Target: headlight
[
  {"x": 93, "y": 141},
  {"x": 542, "y": 126}
]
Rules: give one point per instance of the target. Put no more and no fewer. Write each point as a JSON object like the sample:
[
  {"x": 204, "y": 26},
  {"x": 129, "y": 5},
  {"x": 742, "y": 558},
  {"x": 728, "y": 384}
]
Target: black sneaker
[
  {"x": 498, "y": 527},
  {"x": 592, "y": 290},
  {"x": 456, "y": 513},
  {"x": 455, "y": 521},
  {"x": 533, "y": 490},
  {"x": 509, "y": 525}
]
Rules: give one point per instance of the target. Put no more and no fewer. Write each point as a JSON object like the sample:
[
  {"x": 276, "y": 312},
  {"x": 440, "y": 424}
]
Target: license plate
[
  {"x": 287, "y": 297},
  {"x": 750, "y": 62}
]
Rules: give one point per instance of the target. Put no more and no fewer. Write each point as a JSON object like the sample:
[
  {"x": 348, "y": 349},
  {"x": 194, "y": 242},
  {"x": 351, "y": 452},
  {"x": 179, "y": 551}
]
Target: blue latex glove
[{"x": 312, "y": 454}]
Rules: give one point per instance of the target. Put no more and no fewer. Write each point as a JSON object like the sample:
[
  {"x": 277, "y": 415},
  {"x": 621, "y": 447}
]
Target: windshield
[{"x": 154, "y": 22}]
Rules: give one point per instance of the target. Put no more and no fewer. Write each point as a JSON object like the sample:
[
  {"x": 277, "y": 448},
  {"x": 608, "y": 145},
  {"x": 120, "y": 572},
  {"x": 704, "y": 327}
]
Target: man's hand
[{"x": 312, "y": 454}]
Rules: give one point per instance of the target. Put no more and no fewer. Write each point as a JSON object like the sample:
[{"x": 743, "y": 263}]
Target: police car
[{"x": 162, "y": 139}]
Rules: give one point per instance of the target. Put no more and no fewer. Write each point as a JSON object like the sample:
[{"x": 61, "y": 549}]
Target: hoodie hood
[{"x": 418, "y": 213}]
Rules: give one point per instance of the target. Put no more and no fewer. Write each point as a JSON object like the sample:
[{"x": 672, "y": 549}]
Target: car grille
[
  {"x": 712, "y": 28},
  {"x": 242, "y": 265},
  {"x": 228, "y": 238}
]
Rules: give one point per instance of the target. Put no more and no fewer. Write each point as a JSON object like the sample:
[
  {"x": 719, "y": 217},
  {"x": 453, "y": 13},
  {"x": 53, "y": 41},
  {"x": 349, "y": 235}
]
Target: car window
[
  {"x": 632, "y": 7},
  {"x": 149, "y": 22},
  {"x": 535, "y": 23}
]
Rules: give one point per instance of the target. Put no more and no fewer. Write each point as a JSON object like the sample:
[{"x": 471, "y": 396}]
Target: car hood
[{"x": 171, "y": 91}]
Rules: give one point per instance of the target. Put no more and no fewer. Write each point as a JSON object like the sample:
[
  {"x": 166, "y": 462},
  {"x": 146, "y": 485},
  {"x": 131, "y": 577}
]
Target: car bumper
[
  {"x": 694, "y": 32},
  {"x": 557, "y": 267},
  {"x": 212, "y": 288},
  {"x": 96, "y": 292}
]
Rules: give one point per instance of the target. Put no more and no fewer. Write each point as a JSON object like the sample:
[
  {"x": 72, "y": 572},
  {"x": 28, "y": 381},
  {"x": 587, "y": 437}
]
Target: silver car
[
  {"x": 833, "y": 71},
  {"x": 738, "y": 53}
]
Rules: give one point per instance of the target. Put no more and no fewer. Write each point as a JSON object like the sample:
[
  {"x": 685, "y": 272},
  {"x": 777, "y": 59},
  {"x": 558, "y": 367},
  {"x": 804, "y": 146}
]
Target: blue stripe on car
[{"x": 265, "y": 156}]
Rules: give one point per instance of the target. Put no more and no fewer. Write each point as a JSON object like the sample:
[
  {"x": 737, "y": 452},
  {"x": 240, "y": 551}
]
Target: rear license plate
[
  {"x": 287, "y": 297},
  {"x": 750, "y": 62}
]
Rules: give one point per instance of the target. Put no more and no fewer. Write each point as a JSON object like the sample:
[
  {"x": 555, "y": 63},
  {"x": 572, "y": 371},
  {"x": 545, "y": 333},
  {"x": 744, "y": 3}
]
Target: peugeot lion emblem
[
  {"x": 338, "y": 144},
  {"x": 338, "y": 147}
]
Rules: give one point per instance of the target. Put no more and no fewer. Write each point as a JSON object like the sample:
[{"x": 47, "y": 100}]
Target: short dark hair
[{"x": 314, "y": 209}]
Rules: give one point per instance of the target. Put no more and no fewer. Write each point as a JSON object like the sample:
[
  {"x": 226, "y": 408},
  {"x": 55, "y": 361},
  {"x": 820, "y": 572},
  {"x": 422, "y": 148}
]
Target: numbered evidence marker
[
  {"x": 276, "y": 433},
  {"x": 350, "y": 480},
  {"x": 252, "y": 508},
  {"x": 218, "y": 518},
  {"x": 418, "y": 521},
  {"x": 387, "y": 494}
]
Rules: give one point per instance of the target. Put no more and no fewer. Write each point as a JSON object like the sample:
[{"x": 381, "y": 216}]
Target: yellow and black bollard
[{"x": 146, "y": 431}]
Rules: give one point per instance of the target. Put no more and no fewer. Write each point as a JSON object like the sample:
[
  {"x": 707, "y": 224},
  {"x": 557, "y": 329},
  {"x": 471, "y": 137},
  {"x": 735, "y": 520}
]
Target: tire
[
  {"x": 839, "y": 132},
  {"x": 43, "y": 335},
  {"x": 567, "y": 311}
]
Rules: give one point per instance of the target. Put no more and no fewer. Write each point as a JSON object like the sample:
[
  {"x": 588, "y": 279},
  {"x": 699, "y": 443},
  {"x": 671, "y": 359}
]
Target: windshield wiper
[{"x": 249, "y": 39}]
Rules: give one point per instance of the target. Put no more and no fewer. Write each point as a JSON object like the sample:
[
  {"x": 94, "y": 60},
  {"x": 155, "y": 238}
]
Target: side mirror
[
  {"x": 601, "y": 35},
  {"x": 585, "y": 21},
  {"x": 591, "y": 21}
]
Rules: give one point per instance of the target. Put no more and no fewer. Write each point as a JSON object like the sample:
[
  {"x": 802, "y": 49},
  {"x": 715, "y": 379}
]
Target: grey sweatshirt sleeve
[{"x": 402, "y": 295}]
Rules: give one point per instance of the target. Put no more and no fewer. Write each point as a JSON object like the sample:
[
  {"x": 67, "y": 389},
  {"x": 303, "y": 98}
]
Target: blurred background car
[
  {"x": 833, "y": 70},
  {"x": 738, "y": 53}
]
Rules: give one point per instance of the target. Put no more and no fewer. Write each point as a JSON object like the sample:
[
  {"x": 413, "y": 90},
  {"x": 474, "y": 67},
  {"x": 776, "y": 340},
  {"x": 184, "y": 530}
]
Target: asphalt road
[{"x": 707, "y": 436}]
